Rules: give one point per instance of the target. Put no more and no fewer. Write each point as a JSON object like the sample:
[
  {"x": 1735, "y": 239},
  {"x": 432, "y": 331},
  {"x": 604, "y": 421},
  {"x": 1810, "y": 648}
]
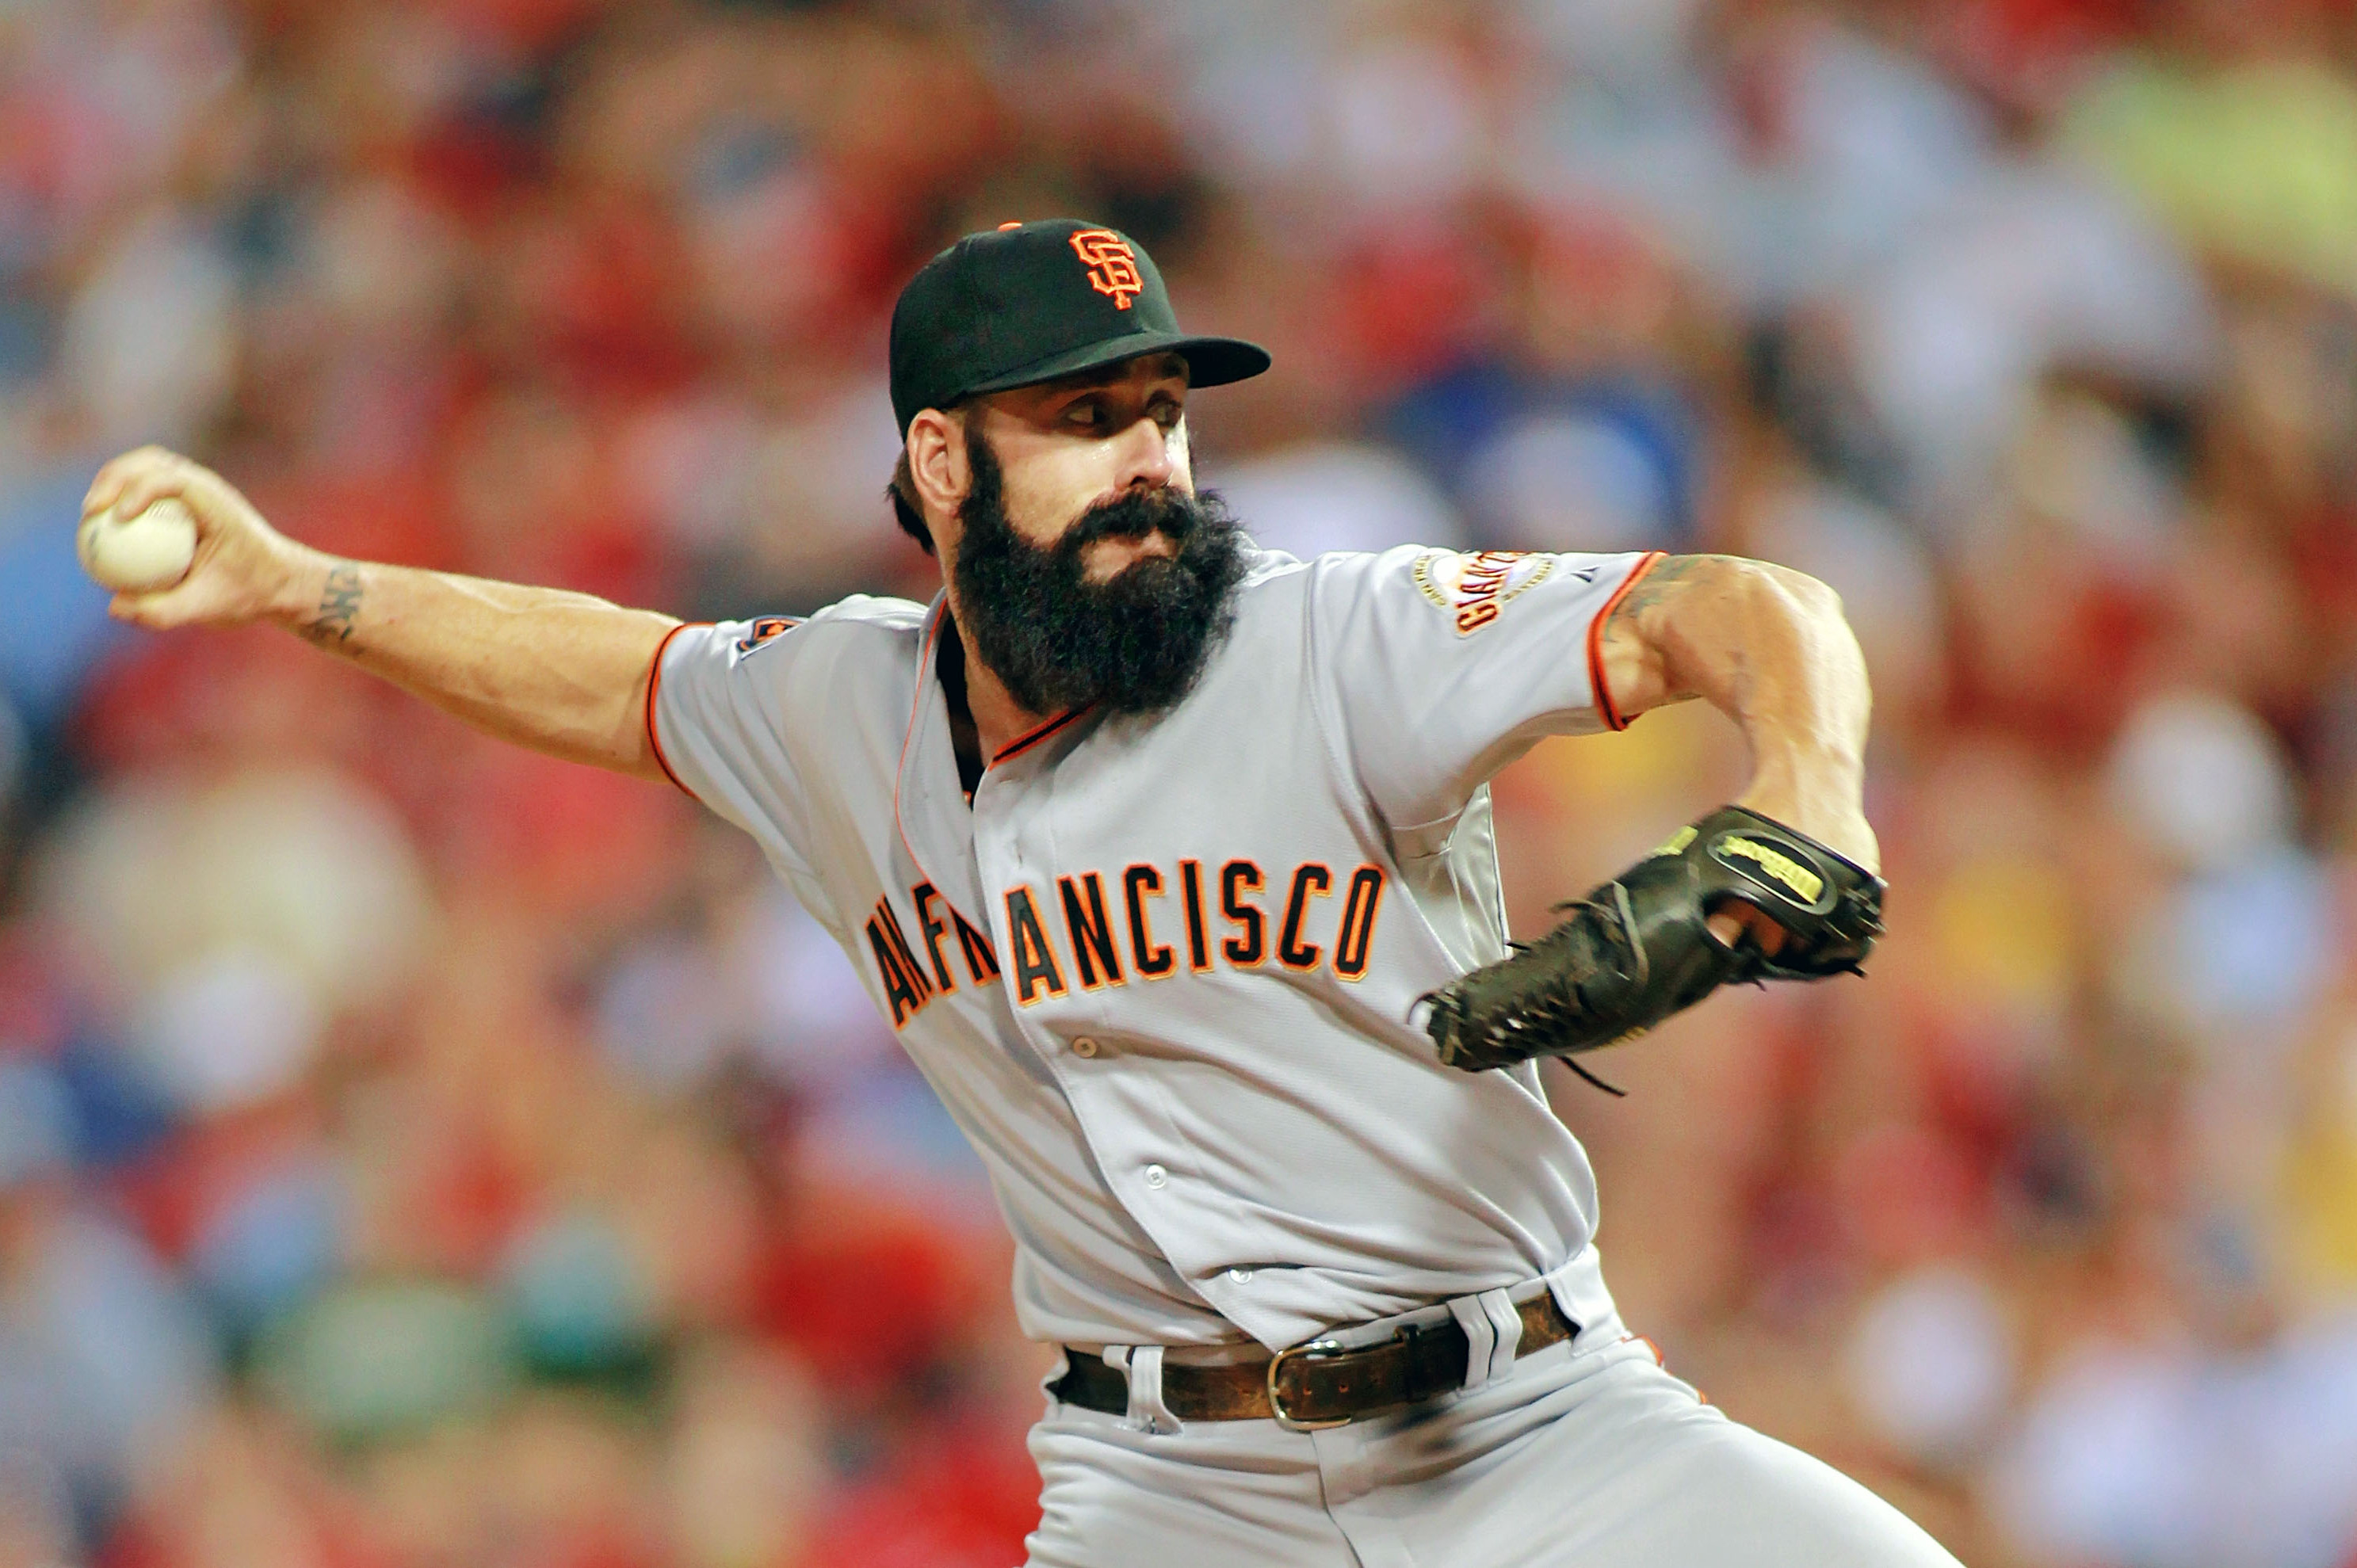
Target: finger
[
  {"x": 132, "y": 609},
  {"x": 107, "y": 483},
  {"x": 131, "y": 493},
  {"x": 153, "y": 611},
  {"x": 106, "y": 487},
  {"x": 150, "y": 485},
  {"x": 1740, "y": 925},
  {"x": 160, "y": 611},
  {"x": 101, "y": 493}
]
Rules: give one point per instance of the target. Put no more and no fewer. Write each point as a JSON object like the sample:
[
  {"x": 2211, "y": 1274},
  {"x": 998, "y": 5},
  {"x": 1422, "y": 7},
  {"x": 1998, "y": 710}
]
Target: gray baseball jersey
[{"x": 1162, "y": 970}]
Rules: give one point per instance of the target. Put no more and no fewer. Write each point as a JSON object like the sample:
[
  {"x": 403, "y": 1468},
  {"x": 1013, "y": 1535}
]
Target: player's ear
[{"x": 937, "y": 464}]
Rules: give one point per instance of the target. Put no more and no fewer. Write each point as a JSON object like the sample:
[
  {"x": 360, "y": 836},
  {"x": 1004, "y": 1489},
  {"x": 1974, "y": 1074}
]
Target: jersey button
[
  {"x": 1156, "y": 1177},
  {"x": 1084, "y": 1048},
  {"x": 1240, "y": 1276}
]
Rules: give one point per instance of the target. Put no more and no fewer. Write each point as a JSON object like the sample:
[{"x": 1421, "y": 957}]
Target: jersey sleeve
[
  {"x": 1444, "y": 666},
  {"x": 717, "y": 710}
]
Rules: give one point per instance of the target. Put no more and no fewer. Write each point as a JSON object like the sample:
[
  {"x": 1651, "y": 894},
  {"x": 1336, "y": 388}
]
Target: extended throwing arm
[{"x": 562, "y": 672}]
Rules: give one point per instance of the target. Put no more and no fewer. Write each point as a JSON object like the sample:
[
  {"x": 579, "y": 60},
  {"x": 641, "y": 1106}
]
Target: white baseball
[{"x": 139, "y": 554}]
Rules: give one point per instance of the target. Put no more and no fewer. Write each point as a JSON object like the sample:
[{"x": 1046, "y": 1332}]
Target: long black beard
[{"x": 1133, "y": 644}]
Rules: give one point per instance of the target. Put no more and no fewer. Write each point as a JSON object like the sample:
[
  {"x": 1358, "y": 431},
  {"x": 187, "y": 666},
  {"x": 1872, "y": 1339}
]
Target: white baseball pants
[{"x": 1578, "y": 1457}]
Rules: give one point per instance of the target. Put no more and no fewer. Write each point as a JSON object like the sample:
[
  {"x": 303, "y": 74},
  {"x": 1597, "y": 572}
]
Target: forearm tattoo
[
  {"x": 339, "y": 606},
  {"x": 1660, "y": 582}
]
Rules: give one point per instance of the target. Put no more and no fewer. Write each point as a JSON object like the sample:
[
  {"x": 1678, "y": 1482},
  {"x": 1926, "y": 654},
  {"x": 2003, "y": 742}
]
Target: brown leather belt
[{"x": 1312, "y": 1385}]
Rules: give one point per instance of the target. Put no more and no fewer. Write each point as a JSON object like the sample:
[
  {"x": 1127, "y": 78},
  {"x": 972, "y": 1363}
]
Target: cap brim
[{"x": 1210, "y": 361}]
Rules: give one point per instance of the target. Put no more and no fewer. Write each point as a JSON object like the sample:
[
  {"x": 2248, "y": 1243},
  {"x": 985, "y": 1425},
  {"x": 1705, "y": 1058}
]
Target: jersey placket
[
  {"x": 1139, "y": 1151},
  {"x": 972, "y": 852}
]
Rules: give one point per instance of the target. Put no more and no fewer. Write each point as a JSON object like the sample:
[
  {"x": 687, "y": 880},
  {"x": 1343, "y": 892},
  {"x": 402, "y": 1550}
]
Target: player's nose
[{"x": 1143, "y": 457}]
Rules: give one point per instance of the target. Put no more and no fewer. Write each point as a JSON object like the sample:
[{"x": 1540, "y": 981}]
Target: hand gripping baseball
[
  {"x": 243, "y": 569},
  {"x": 1638, "y": 949}
]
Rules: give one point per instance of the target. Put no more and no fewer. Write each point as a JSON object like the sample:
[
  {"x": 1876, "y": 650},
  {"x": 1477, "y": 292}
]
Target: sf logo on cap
[{"x": 1113, "y": 265}]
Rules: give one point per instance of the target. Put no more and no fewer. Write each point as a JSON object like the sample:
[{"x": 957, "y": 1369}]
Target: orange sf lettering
[
  {"x": 1113, "y": 265},
  {"x": 1485, "y": 577}
]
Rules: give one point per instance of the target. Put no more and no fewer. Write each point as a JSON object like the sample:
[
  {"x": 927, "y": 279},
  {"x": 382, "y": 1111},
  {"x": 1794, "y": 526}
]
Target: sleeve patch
[
  {"x": 1473, "y": 589},
  {"x": 763, "y": 630}
]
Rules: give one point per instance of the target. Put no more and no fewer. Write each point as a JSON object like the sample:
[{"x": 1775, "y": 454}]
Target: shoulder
[
  {"x": 858, "y": 653},
  {"x": 863, "y": 616},
  {"x": 861, "y": 626},
  {"x": 1271, "y": 577},
  {"x": 1351, "y": 594},
  {"x": 1434, "y": 569},
  {"x": 1275, "y": 573},
  {"x": 1345, "y": 581},
  {"x": 1340, "y": 584}
]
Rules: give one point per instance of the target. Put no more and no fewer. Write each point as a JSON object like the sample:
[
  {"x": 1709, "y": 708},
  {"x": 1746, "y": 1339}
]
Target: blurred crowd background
[{"x": 418, "y": 1155}]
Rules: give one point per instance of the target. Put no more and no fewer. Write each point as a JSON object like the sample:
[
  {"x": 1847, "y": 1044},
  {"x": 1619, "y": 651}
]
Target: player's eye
[
  {"x": 1165, "y": 412},
  {"x": 1088, "y": 414}
]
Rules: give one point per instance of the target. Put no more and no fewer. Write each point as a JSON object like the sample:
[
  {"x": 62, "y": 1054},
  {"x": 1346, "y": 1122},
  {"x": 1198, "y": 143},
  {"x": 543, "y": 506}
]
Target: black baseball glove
[{"x": 1637, "y": 949}]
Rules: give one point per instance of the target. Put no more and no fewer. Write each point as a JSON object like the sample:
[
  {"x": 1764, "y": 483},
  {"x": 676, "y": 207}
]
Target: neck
[{"x": 999, "y": 720}]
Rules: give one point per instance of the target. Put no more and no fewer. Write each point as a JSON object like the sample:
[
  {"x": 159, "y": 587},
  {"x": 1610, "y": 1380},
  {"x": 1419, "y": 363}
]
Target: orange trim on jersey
[
  {"x": 1595, "y": 682},
  {"x": 1036, "y": 735},
  {"x": 654, "y": 685}
]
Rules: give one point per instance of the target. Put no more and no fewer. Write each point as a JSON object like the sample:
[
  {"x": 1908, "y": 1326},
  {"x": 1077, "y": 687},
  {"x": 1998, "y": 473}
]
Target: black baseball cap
[{"x": 1034, "y": 302}]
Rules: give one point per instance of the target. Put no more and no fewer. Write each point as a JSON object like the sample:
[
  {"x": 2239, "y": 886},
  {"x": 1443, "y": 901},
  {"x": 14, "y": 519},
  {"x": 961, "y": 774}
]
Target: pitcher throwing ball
[{"x": 1169, "y": 858}]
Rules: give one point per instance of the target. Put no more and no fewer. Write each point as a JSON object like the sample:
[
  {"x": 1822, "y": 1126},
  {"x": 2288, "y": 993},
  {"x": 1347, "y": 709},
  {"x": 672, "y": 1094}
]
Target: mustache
[{"x": 1134, "y": 514}]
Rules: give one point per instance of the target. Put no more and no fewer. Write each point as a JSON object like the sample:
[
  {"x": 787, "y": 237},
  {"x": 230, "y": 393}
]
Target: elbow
[
  {"x": 1781, "y": 605},
  {"x": 1800, "y": 615},
  {"x": 1716, "y": 627},
  {"x": 1779, "y": 624},
  {"x": 1798, "y": 592}
]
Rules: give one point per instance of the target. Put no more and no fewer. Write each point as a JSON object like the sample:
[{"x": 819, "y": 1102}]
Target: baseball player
[{"x": 1171, "y": 860}]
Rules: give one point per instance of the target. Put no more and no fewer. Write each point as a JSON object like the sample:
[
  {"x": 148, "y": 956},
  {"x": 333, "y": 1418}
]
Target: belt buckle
[{"x": 1277, "y": 1400}]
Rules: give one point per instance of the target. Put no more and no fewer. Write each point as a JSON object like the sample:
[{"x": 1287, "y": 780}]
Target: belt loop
[
  {"x": 1481, "y": 1337},
  {"x": 1146, "y": 1411},
  {"x": 1507, "y": 1320}
]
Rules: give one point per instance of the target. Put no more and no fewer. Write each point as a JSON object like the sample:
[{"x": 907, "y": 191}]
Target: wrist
[
  {"x": 1809, "y": 769},
  {"x": 1822, "y": 796},
  {"x": 301, "y": 580}
]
